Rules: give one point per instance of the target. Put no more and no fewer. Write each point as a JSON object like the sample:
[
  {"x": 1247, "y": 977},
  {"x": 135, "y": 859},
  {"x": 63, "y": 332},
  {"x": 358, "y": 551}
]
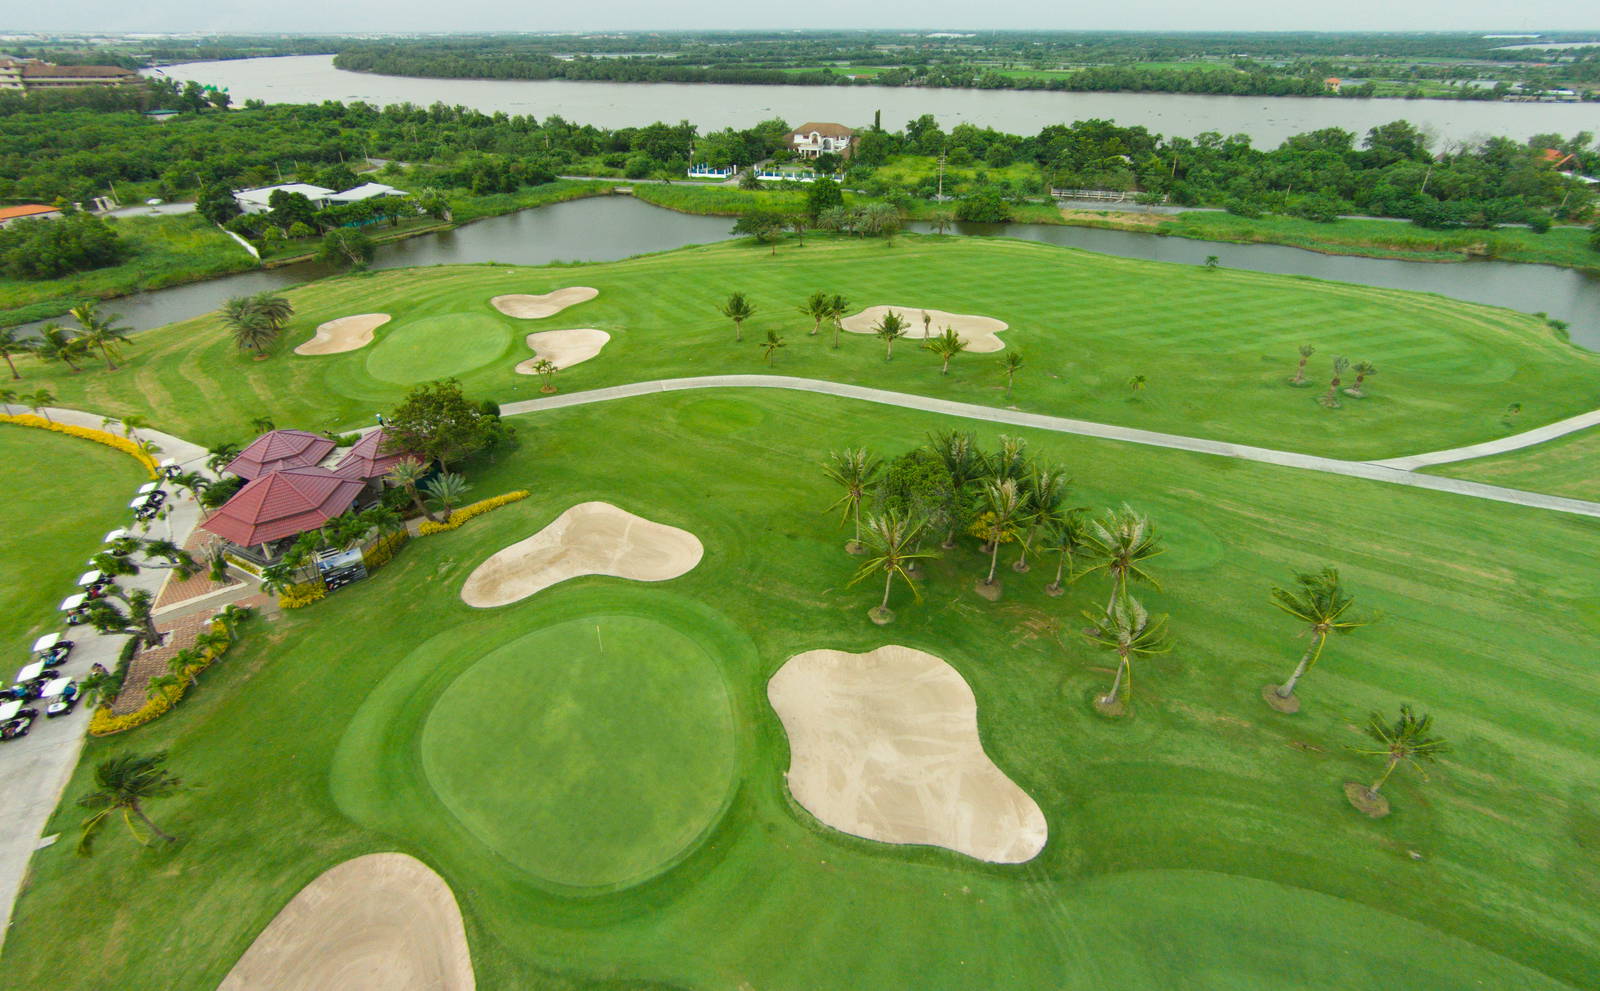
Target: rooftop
[
  {"x": 278, "y": 450},
  {"x": 26, "y": 210},
  {"x": 366, "y": 460},
  {"x": 282, "y": 504}
]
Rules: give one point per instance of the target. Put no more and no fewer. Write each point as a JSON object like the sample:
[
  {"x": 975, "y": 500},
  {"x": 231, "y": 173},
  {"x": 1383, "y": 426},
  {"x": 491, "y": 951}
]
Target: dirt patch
[
  {"x": 383, "y": 921},
  {"x": 978, "y": 332},
  {"x": 1269, "y": 695},
  {"x": 885, "y": 745},
  {"x": 525, "y": 307},
  {"x": 1374, "y": 805},
  {"x": 1112, "y": 218},
  {"x": 564, "y": 348},
  {"x": 344, "y": 334},
  {"x": 591, "y": 538}
]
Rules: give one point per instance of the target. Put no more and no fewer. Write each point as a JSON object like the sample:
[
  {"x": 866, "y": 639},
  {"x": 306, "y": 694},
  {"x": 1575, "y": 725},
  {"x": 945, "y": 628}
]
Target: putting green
[
  {"x": 438, "y": 347},
  {"x": 591, "y": 753}
]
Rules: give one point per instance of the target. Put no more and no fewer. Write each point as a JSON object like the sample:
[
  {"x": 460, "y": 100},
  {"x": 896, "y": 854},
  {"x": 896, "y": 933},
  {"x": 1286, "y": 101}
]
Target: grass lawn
[
  {"x": 61, "y": 495},
  {"x": 1203, "y": 842},
  {"x": 1216, "y": 347},
  {"x": 912, "y": 171},
  {"x": 1565, "y": 466}
]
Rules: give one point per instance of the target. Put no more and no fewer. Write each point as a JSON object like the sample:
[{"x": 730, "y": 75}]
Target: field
[
  {"x": 1215, "y": 347},
  {"x": 1204, "y": 842},
  {"x": 1565, "y": 466}
]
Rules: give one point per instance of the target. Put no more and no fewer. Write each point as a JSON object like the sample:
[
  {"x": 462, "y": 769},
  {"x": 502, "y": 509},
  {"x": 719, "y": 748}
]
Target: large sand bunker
[
  {"x": 564, "y": 348},
  {"x": 978, "y": 332},
  {"x": 381, "y": 922},
  {"x": 525, "y": 307},
  {"x": 885, "y": 745},
  {"x": 591, "y": 538},
  {"x": 344, "y": 334}
]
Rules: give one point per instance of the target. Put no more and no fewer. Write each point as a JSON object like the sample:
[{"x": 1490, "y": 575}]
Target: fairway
[{"x": 1566, "y": 466}]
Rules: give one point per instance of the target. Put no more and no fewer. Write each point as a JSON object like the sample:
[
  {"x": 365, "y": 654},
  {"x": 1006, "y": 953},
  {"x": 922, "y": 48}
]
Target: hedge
[
  {"x": 466, "y": 513},
  {"x": 122, "y": 444},
  {"x": 103, "y": 723},
  {"x": 303, "y": 594}
]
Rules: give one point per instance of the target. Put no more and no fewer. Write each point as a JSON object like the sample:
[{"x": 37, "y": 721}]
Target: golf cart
[
  {"x": 73, "y": 606},
  {"x": 61, "y": 696},
  {"x": 52, "y": 650},
  {"x": 15, "y": 720}
]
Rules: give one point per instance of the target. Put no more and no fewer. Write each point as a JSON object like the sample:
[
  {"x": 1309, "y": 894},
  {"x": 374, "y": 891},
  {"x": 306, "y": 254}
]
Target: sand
[
  {"x": 591, "y": 538},
  {"x": 538, "y": 307},
  {"x": 978, "y": 332},
  {"x": 382, "y": 922},
  {"x": 563, "y": 347},
  {"x": 885, "y": 745},
  {"x": 344, "y": 334}
]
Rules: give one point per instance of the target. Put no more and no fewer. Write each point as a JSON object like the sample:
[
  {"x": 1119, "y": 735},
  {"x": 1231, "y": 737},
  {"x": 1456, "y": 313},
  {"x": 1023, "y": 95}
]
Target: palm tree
[
  {"x": 1046, "y": 489},
  {"x": 1406, "y": 740},
  {"x": 193, "y": 482},
  {"x": 1004, "y": 519},
  {"x": 1330, "y": 398},
  {"x": 181, "y": 665},
  {"x": 1011, "y": 460},
  {"x": 1321, "y": 603},
  {"x": 890, "y": 328},
  {"x": 947, "y": 345},
  {"x": 855, "y": 471},
  {"x": 275, "y": 310},
  {"x": 11, "y": 345},
  {"x": 837, "y": 307},
  {"x": 738, "y": 309},
  {"x": 1126, "y": 629},
  {"x": 124, "y": 783},
  {"x": 233, "y": 616},
  {"x": 1306, "y": 351},
  {"x": 818, "y": 306},
  {"x": 165, "y": 686},
  {"x": 892, "y": 540},
  {"x": 263, "y": 424},
  {"x": 1136, "y": 384},
  {"x": 132, "y": 423},
  {"x": 966, "y": 464},
  {"x": 212, "y": 641},
  {"x": 141, "y": 610},
  {"x": 221, "y": 455},
  {"x": 1120, "y": 545},
  {"x": 56, "y": 343},
  {"x": 406, "y": 473},
  {"x": 7, "y": 398},
  {"x": 1362, "y": 369},
  {"x": 941, "y": 219},
  {"x": 251, "y": 330},
  {"x": 100, "y": 332},
  {"x": 546, "y": 370},
  {"x": 37, "y": 401},
  {"x": 774, "y": 342},
  {"x": 97, "y": 688},
  {"x": 1067, "y": 536},
  {"x": 1012, "y": 363},
  {"x": 445, "y": 490}
]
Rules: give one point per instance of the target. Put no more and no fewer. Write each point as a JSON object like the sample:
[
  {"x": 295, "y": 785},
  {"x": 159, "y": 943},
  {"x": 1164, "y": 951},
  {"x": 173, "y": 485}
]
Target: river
[
  {"x": 612, "y": 227},
  {"x": 1268, "y": 120}
]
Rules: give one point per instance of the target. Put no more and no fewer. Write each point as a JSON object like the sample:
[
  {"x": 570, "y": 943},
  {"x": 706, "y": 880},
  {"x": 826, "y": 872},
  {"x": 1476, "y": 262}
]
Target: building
[
  {"x": 812, "y": 139},
  {"x": 28, "y": 211},
  {"x": 31, "y": 74},
  {"x": 279, "y": 449},
  {"x": 273, "y": 508},
  {"x": 1559, "y": 160},
  {"x": 365, "y": 191},
  {"x": 259, "y": 200}
]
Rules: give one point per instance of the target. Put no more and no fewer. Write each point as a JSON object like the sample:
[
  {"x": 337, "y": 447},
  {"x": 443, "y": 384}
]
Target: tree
[
  {"x": 445, "y": 491},
  {"x": 182, "y": 666},
  {"x": 1137, "y": 383},
  {"x": 947, "y": 345},
  {"x": 1003, "y": 521},
  {"x": 1306, "y": 351},
  {"x": 817, "y": 306},
  {"x": 123, "y": 784},
  {"x": 1045, "y": 490},
  {"x": 221, "y": 455},
  {"x": 7, "y": 398},
  {"x": 37, "y": 401},
  {"x": 1211, "y": 262},
  {"x": 346, "y": 247},
  {"x": 233, "y": 616},
  {"x": 546, "y": 370},
  {"x": 941, "y": 219},
  {"x": 823, "y": 196},
  {"x": 1120, "y": 545},
  {"x": 881, "y": 219},
  {"x": 406, "y": 473},
  {"x": 1363, "y": 370},
  {"x": 97, "y": 688},
  {"x": 1407, "y": 741},
  {"x": 890, "y": 328},
  {"x": 56, "y": 343},
  {"x": 12, "y": 345},
  {"x": 274, "y": 309},
  {"x": 1125, "y": 629},
  {"x": 748, "y": 180},
  {"x": 1319, "y": 601},
  {"x": 1330, "y": 399},
  {"x": 1010, "y": 366},
  {"x": 738, "y": 309},
  {"x": 50, "y": 249},
  {"x": 966, "y": 466},
  {"x": 216, "y": 203},
  {"x": 838, "y": 306},
  {"x": 891, "y": 539},
  {"x": 855, "y": 471},
  {"x": 773, "y": 343},
  {"x": 437, "y": 422},
  {"x": 763, "y": 225},
  {"x": 250, "y": 328},
  {"x": 1067, "y": 536}
]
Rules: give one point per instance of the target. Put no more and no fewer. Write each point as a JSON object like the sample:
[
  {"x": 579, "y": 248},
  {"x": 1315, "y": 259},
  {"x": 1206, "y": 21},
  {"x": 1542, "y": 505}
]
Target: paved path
[
  {"x": 1374, "y": 470},
  {"x": 1528, "y": 438}
]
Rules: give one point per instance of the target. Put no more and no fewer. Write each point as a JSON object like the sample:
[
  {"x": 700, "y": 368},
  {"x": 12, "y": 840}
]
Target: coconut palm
[
  {"x": 407, "y": 473},
  {"x": 818, "y": 306},
  {"x": 183, "y": 665},
  {"x": 8, "y": 397},
  {"x": 1136, "y": 383},
  {"x": 947, "y": 345},
  {"x": 855, "y": 471},
  {"x": 166, "y": 686},
  {"x": 1319, "y": 601},
  {"x": 56, "y": 343},
  {"x": 1405, "y": 741},
  {"x": 123, "y": 784},
  {"x": 891, "y": 540},
  {"x": 1306, "y": 351},
  {"x": 1331, "y": 397},
  {"x": 1120, "y": 545},
  {"x": 546, "y": 370},
  {"x": 250, "y": 328},
  {"x": 1067, "y": 536},
  {"x": 838, "y": 306},
  {"x": 213, "y": 642},
  {"x": 1046, "y": 489},
  {"x": 445, "y": 491},
  {"x": 132, "y": 423},
  {"x": 1005, "y": 519},
  {"x": 966, "y": 464},
  {"x": 102, "y": 332},
  {"x": 773, "y": 343},
  {"x": 1010, "y": 365},
  {"x": 38, "y": 400},
  {"x": 1125, "y": 629},
  {"x": 233, "y": 616},
  {"x": 97, "y": 688},
  {"x": 1011, "y": 460},
  {"x": 12, "y": 344},
  {"x": 1363, "y": 370},
  {"x": 738, "y": 309},
  {"x": 221, "y": 455},
  {"x": 263, "y": 424},
  {"x": 275, "y": 310},
  {"x": 193, "y": 482},
  {"x": 890, "y": 328}
]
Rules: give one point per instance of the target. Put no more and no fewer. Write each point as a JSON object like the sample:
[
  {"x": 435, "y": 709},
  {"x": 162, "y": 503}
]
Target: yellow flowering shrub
[
  {"x": 383, "y": 549},
  {"x": 466, "y": 513},
  {"x": 105, "y": 437},
  {"x": 303, "y": 594},
  {"x": 103, "y": 723}
]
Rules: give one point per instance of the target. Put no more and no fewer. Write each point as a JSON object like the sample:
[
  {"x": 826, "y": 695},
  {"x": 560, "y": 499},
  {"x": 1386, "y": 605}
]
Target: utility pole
[{"x": 941, "y": 177}]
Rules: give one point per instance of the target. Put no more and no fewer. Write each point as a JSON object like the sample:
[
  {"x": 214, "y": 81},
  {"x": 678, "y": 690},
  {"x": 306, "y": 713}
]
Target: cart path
[{"x": 1396, "y": 471}]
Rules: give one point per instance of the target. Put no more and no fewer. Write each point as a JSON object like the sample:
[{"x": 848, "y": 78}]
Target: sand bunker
[
  {"x": 380, "y": 922},
  {"x": 563, "y": 347},
  {"x": 344, "y": 334},
  {"x": 591, "y": 538},
  {"x": 977, "y": 331},
  {"x": 538, "y": 307},
  {"x": 885, "y": 745}
]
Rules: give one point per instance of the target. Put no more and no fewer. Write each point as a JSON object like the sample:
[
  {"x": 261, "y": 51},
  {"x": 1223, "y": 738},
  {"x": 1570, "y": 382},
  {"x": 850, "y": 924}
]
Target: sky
[{"x": 387, "y": 16}]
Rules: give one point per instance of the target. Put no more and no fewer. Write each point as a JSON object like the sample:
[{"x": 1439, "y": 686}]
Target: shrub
[
  {"x": 111, "y": 440},
  {"x": 466, "y": 513},
  {"x": 384, "y": 549},
  {"x": 303, "y": 594},
  {"x": 103, "y": 723}
]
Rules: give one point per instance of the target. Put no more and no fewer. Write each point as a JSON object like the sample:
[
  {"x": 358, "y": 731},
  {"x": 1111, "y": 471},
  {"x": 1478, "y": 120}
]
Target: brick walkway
[
  {"x": 176, "y": 590},
  {"x": 151, "y": 662}
]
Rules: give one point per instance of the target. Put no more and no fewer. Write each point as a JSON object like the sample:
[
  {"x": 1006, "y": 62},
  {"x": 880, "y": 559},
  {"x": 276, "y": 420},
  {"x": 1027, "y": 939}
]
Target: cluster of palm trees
[
  {"x": 256, "y": 322},
  {"x": 1356, "y": 390},
  {"x": 298, "y": 563},
  {"x": 98, "y": 335}
]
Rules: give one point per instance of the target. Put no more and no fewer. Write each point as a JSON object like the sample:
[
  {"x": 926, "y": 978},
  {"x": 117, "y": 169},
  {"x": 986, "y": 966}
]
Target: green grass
[
  {"x": 1204, "y": 842},
  {"x": 723, "y": 201},
  {"x": 1216, "y": 347},
  {"x": 912, "y": 171},
  {"x": 45, "y": 546},
  {"x": 1564, "y": 466}
]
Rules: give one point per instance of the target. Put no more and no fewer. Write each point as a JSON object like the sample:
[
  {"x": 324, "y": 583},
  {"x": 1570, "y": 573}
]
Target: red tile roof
[
  {"x": 26, "y": 210},
  {"x": 280, "y": 449},
  {"x": 45, "y": 70},
  {"x": 366, "y": 459},
  {"x": 282, "y": 504}
]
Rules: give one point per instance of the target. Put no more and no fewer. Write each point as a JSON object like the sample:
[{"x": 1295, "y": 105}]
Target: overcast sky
[{"x": 380, "y": 16}]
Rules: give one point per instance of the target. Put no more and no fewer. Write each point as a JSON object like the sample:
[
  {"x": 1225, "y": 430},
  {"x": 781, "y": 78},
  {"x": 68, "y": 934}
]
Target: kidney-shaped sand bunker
[
  {"x": 530, "y": 307},
  {"x": 885, "y": 745},
  {"x": 978, "y": 331},
  {"x": 591, "y": 538}
]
